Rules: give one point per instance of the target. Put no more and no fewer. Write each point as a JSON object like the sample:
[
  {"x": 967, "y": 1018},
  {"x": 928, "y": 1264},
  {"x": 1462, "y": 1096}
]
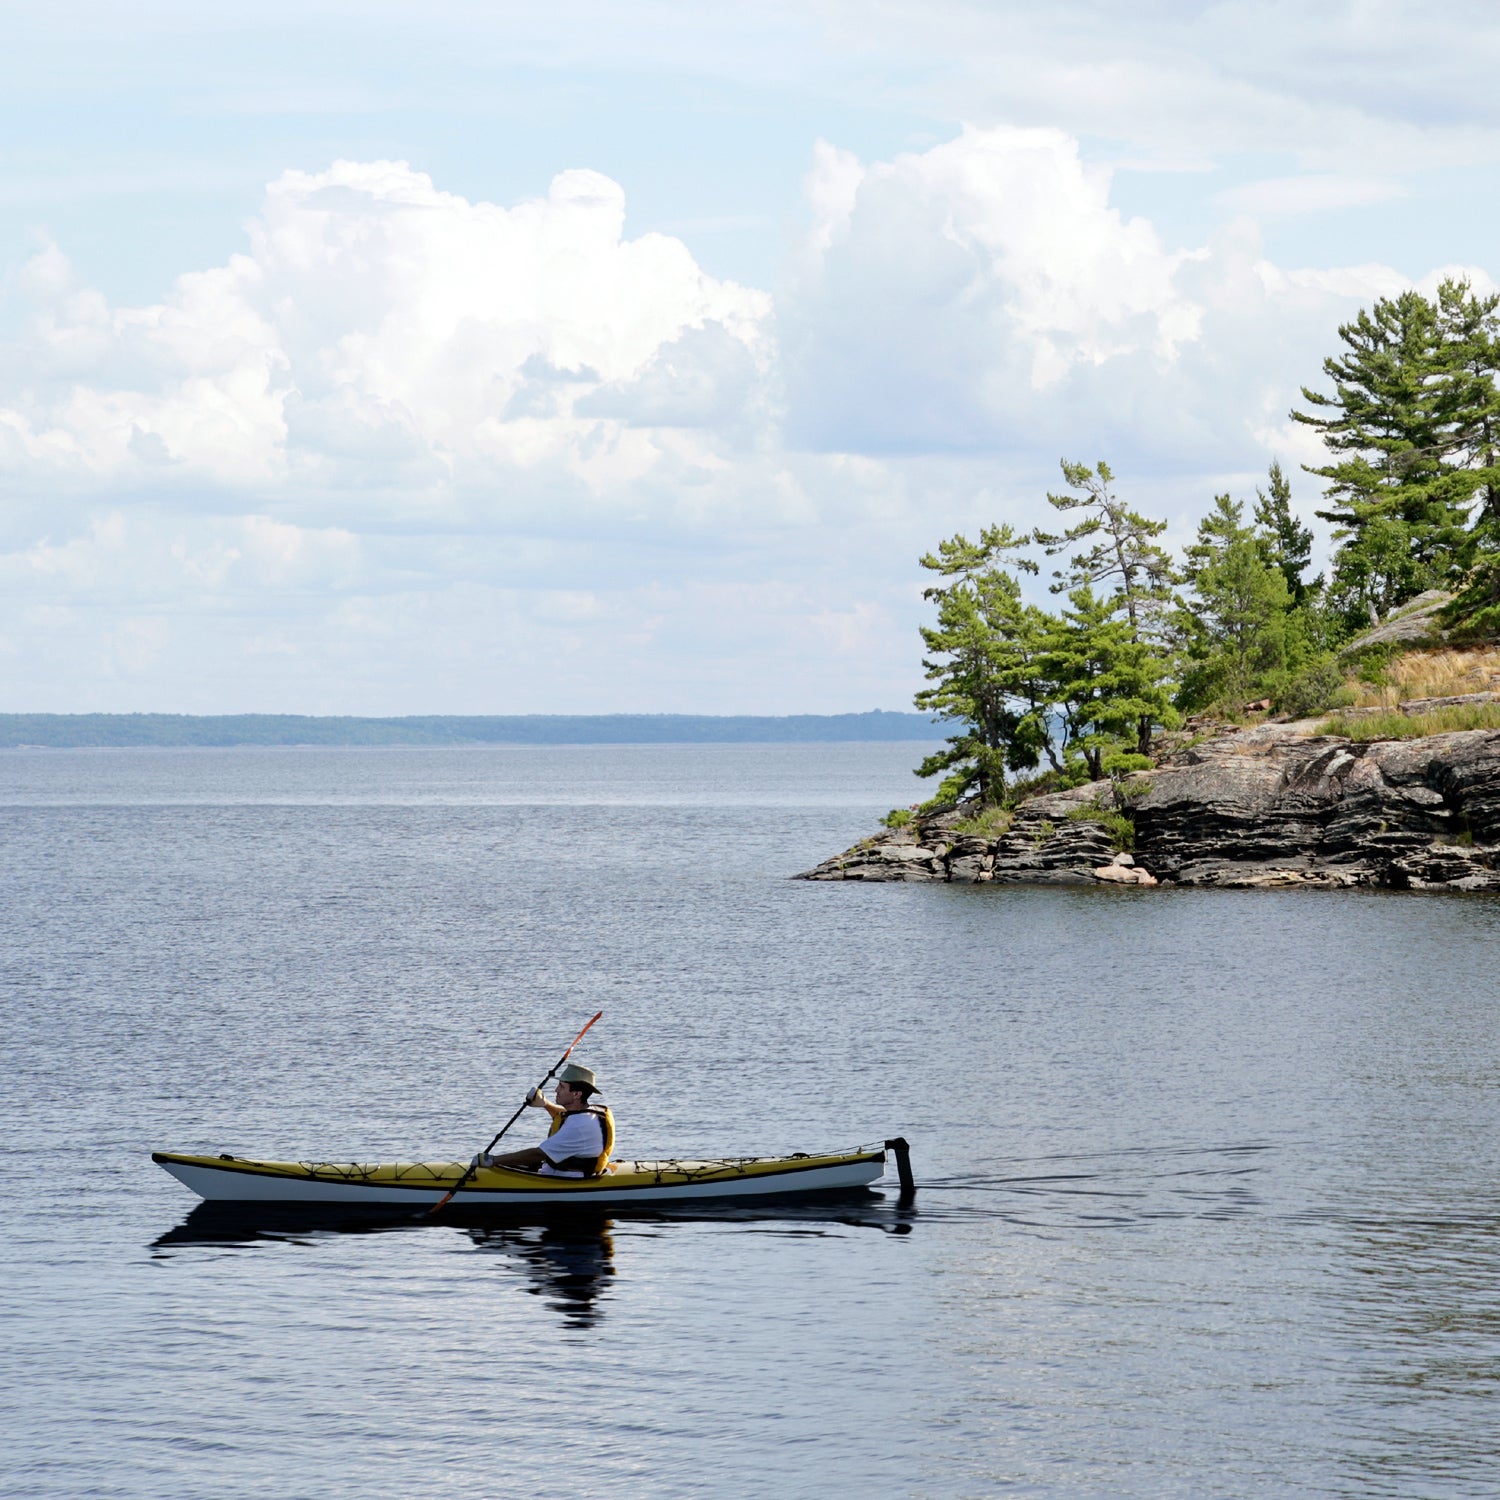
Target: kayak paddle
[{"x": 468, "y": 1171}]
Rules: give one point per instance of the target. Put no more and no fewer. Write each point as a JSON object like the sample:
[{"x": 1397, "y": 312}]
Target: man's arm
[
  {"x": 531, "y": 1159},
  {"x": 538, "y": 1100}
]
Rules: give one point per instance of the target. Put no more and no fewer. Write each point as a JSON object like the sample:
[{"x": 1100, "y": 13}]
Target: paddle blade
[{"x": 566, "y": 1055}]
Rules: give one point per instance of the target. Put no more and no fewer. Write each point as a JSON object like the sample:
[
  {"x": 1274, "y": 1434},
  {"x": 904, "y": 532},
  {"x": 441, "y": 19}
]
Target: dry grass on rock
[{"x": 1443, "y": 673}]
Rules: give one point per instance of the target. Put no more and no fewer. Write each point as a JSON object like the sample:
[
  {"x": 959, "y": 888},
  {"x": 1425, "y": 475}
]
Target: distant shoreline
[{"x": 225, "y": 731}]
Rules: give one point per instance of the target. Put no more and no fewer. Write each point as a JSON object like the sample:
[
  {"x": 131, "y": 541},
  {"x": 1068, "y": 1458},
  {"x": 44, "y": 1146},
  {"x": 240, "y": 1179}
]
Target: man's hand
[{"x": 535, "y": 1100}]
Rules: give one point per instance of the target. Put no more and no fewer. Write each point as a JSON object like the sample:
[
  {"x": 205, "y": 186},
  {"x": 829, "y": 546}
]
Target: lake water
[{"x": 1209, "y": 1181}]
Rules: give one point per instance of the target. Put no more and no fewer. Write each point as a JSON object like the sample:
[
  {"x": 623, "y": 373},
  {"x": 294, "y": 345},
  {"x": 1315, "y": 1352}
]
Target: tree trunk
[{"x": 1143, "y": 736}]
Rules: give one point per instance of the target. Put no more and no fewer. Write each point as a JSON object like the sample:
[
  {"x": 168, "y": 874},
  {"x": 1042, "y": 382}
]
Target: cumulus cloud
[
  {"x": 944, "y": 294},
  {"x": 986, "y": 296},
  {"x": 707, "y": 377},
  {"x": 380, "y": 334},
  {"x": 454, "y": 455},
  {"x": 388, "y": 351}
]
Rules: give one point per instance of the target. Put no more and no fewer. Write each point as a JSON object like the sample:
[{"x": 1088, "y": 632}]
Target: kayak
[{"x": 239, "y": 1179}]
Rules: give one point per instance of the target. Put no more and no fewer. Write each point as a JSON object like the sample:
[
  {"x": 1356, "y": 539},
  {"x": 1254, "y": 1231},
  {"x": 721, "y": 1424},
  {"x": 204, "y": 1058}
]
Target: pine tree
[
  {"x": 1105, "y": 683},
  {"x": 986, "y": 670},
  {"x": 1235, "y": 624},
  {"x": 1470, "y": 332},
  {"x": 1124, "y": 551},
  {"x": 1399, "y": 499},
  {"x": 1285, "y": 541}
]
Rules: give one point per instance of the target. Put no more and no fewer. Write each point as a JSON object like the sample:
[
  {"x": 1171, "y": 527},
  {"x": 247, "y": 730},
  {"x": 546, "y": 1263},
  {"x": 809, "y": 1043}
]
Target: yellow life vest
[{"x": 595, "y": 1166}]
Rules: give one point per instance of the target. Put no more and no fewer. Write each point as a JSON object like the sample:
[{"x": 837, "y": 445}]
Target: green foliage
[
  {"x": 987, "y": 823},
  {"x": 984, "y": 666},
  {"x": 1471, "y": 347},
  {"x": 1372, "y": 664},
  {"x": 1008, "y": 673},
  {"x": 1118, "y": 824},
  {"x": 1096, "y": 674},
  {"x": 1034, "y": 785},
  {"x": 1235, "y": 628},
  {"x": 1285, "y": 541},
  {"x": 1474, "y": 613},
  {"x": 1107, "y": 684},
  {"x": 899, "y": 817},
  {"x": 1395, "y": 725},
  {"x": 1412, "y": 487},
  {"x": 1123, "y": 549},
  {"x": 1251, "y": 627},
  {"x": 1411, "y": 431},
  {"x": 1314, "y": 688}
]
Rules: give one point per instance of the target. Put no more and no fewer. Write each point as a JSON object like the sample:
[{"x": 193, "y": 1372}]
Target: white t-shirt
[{"x": 580, "y": 1134}]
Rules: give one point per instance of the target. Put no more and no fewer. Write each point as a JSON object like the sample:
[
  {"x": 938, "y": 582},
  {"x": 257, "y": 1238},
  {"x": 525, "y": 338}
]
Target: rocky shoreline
[{"x": 1274, "y": 805}]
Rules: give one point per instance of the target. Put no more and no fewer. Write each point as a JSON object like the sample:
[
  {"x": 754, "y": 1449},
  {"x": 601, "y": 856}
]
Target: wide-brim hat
[{"x": 577, "y": 1073}]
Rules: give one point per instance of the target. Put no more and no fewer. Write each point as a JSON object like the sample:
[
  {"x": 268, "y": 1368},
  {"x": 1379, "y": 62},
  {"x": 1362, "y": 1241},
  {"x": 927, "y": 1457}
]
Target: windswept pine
[{"x": 1412, "y": 428}]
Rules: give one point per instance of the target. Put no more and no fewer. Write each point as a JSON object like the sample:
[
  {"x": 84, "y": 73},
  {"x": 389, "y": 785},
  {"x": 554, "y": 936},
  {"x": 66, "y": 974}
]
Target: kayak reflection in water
[
  {"x": 570, "y": 1262},
  {"x": 581, "y": 1137}
]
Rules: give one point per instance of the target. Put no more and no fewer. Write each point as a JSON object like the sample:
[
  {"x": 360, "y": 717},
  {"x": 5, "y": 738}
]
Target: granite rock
[
  {"x": 1277, "y": 805},
  {"x": 1415, "y": 623}
]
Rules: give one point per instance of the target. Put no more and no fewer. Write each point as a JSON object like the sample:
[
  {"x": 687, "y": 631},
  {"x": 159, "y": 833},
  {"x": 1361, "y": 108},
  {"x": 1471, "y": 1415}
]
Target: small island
[
  {"x": 1222, "y": 719},
  {"x": 1333, "y": 802}
]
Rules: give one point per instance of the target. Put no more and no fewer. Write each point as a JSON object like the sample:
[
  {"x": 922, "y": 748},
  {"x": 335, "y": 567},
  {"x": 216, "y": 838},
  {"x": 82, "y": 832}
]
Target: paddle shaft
[{"x": 468, "y": 1171}]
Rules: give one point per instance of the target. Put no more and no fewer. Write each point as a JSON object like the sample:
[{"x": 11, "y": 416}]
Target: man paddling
[{"x": 579, "y": 1137}]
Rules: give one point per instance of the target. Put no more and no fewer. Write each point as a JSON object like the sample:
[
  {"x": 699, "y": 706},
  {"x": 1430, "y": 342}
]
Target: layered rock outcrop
[
  {"x": 1277, "y": 805},
  {"x": 1418, "y": 622}
]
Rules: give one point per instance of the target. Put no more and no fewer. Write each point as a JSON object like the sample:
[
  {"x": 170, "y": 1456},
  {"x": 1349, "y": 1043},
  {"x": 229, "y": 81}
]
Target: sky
[{"x": 376, "y": 358}]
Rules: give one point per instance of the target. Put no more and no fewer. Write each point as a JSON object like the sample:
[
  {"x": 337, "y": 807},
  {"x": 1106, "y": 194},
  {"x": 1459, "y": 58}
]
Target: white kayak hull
[{"x": 417, "y": 1184}]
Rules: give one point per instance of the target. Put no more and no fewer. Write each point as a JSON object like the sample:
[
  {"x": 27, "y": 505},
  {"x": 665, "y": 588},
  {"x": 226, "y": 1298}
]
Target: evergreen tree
[
  {"x": 985, "y": 668},
  {"x": 1471, "y": 329},
  {"x": 1116, "y": 545},
  {"x": 1470, "y": 332},
  {"x": 1285, "y": 541},
  {"x": 1105, "y": 683},
  {"x": 1126, "y": 549},
  {"x": 1235, "y": 625},
  {"x": 1399, "y": 495},
  {"x": 1474, "y": 614}
]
